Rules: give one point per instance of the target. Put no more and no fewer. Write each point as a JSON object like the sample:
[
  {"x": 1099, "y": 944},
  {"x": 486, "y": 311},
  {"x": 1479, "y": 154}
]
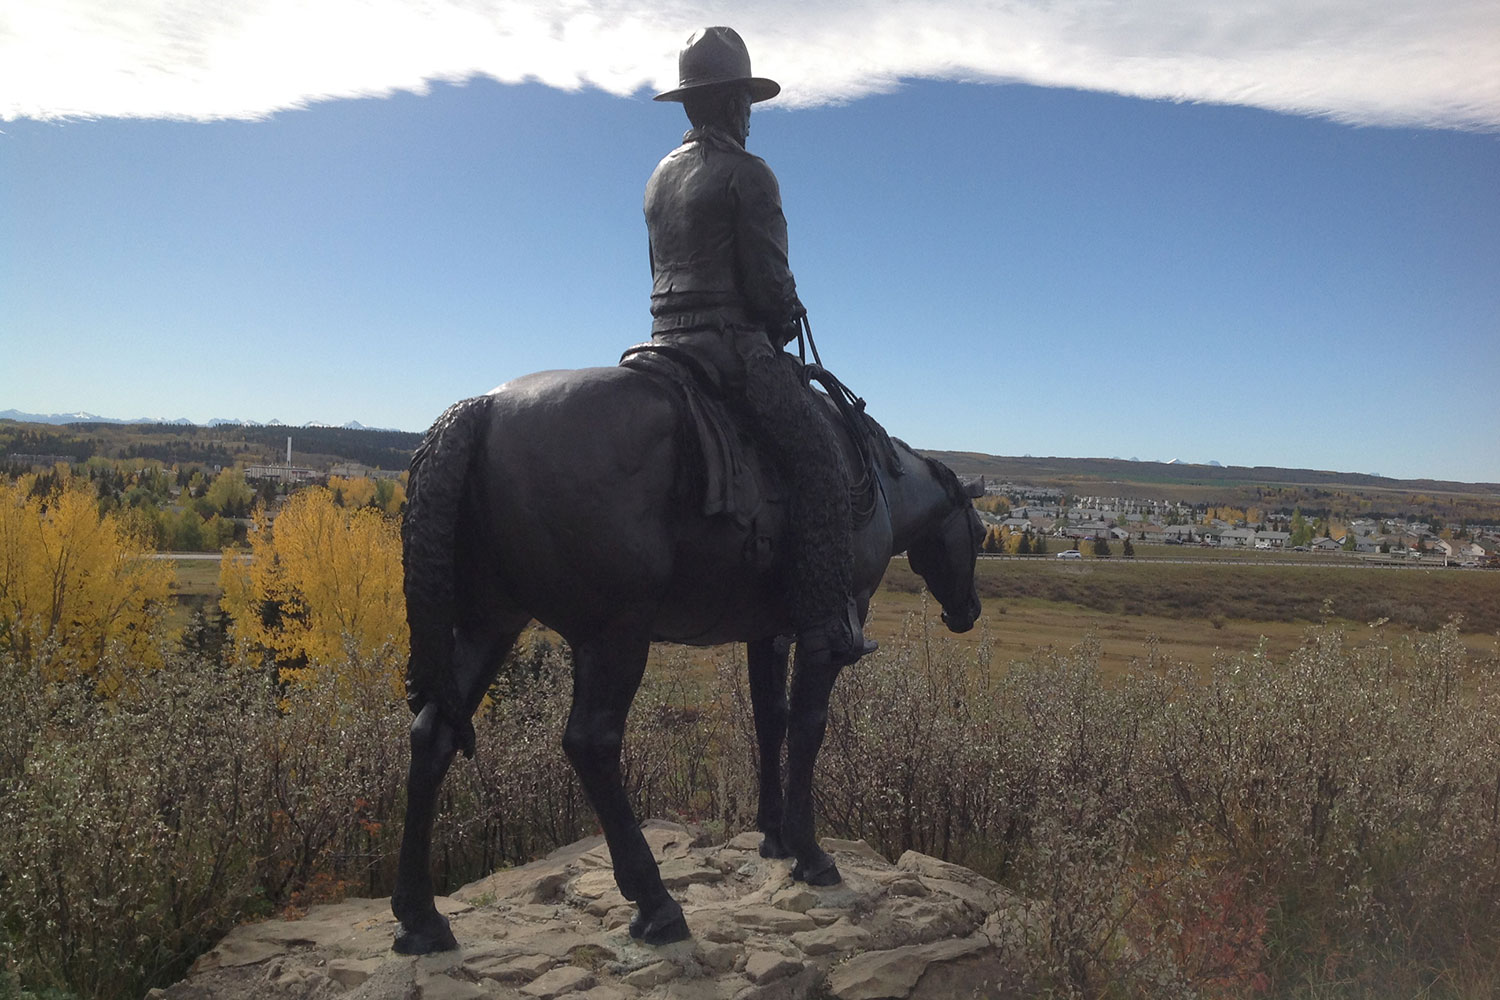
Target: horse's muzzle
[{"x": 962, "y": 622}]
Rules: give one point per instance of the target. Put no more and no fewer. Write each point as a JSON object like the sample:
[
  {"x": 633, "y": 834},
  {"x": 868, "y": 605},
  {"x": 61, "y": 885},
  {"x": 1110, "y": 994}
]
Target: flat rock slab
[{"x": 555, "y": 929}]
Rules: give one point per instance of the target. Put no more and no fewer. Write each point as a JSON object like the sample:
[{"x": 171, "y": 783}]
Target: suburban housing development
[{"x": 1164, "y": 522}]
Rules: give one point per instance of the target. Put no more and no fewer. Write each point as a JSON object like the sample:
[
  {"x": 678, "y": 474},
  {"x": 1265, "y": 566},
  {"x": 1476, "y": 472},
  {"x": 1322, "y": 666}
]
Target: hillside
[
  {"x": 1045, "y": 471},
  {"x": 224, "y": 444},
  {"x": 1263, "y": 486}
]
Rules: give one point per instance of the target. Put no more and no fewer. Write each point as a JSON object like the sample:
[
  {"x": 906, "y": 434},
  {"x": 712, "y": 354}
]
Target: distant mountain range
[
  {"x": 1200, "y": 480},
  {"x": 388, "y": 448},
  {"x": 94, "y": 418}
]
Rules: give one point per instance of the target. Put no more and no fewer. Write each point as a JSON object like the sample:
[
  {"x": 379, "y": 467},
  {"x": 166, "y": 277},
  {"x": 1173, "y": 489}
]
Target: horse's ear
[{"x": 975, "y": 488}]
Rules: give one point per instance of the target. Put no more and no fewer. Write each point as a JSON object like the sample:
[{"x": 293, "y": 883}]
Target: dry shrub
[
  {"x": 907, "y": 747},
  {"x": 1038, "y": 779},
  {"x": 123, "y": 832},
  {"x": 1326, "y": 824},
  {"x": 1330, "y": 821},
  {"x": 1358, "y": 783},
  {"x": 519, "y": 798},
  {"x": 1203, "y": 918},
  {"x": 135, "y": 831}
]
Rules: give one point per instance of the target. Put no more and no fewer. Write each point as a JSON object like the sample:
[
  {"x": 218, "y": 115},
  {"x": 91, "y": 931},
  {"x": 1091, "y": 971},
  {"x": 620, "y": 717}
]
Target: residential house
[
  {"x": 1240, "y": 538},
  {"x": 1087, "y": 529}
]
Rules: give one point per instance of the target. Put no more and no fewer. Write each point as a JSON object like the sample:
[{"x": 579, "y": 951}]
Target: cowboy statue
[
  {"x": 722, "y": 293},
  {"x": 569, "y": 498}
]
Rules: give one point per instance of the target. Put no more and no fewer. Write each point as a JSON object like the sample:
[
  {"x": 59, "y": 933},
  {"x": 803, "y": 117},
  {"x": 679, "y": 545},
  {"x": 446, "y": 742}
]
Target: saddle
[
  {"x": 722, "y": 473},
  {"x": 726, "y": 468}
]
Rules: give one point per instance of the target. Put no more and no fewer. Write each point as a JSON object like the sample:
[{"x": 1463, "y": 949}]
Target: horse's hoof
[
  {"x": 433, "y": 936},
  {"x": 822, "y": 872},
  {"x": 665, "y": 926},
  {"x": 772, "y": 847}
]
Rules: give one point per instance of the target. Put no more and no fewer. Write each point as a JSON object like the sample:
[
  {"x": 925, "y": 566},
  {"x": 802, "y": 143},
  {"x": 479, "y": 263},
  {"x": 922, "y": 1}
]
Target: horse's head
[{"x": 945, "y": 553}]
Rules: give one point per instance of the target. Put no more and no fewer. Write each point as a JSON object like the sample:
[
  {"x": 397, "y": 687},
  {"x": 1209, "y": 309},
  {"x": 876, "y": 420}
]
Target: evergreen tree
[{"x": 1302, "y": 532}]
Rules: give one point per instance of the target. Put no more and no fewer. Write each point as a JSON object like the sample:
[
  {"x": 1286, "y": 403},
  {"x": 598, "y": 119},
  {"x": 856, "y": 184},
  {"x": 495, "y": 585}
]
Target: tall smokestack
[{"x": 289, "y": 451}]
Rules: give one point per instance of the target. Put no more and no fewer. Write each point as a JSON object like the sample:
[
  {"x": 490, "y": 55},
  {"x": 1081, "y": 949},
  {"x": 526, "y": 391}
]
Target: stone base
[{"x": 558, "y": 928}]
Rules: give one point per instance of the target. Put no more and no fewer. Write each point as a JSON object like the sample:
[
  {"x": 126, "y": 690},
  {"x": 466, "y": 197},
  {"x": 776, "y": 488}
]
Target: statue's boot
[{"x": 837, "y": 641}]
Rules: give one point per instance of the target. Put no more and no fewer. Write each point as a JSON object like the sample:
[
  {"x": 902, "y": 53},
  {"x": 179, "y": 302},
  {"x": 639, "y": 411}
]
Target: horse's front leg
[
  {"x": 767, "y": 662},
  {"x": 811, "y": 687},
  {"x": 606, "y": 674}
]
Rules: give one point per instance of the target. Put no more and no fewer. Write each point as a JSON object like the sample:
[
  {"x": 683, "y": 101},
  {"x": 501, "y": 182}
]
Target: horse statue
[{"x": 559, "y": 497}]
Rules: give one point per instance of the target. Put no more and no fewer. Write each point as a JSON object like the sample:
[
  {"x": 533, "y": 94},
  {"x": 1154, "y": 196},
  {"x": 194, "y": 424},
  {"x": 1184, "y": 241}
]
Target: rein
[{"x": 852, "y": 409}]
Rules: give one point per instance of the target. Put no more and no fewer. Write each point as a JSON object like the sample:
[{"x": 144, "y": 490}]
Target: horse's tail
[{"x": 434, "y": 492}]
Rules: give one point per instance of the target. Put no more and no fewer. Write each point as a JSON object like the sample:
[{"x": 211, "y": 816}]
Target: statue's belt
[{"x": 711, "y": 318}]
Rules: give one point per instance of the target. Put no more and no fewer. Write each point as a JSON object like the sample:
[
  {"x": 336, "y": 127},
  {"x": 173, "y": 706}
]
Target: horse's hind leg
[
  {"x": 434, "y": 741},
  {"x": 767, "y": 662},
  {"x": 606, "y": 673}
]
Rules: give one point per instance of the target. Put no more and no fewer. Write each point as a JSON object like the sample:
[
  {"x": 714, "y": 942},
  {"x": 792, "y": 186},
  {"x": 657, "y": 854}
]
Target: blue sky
[{"x": 1044, "y": 255}]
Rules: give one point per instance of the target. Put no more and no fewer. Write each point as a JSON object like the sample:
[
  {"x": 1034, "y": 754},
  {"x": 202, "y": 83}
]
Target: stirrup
[{"x": 837, "y": 641}]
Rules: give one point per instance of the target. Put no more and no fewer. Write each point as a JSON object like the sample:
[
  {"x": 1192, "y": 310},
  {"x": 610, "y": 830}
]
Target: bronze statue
[
  {"x": 588, "y": 501},
  {"x": 721, "y": 291}
]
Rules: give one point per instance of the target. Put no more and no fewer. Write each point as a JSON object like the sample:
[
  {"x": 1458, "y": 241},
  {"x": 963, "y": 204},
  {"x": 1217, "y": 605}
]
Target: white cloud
[{"x": 1364, "y": 61}]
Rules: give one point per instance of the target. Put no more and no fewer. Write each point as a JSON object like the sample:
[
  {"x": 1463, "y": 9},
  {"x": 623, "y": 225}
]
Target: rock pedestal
[{"x": 558, "y": 928}]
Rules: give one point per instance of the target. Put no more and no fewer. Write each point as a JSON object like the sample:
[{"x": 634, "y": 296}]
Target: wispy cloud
[{"x": 1365, "y": 61}]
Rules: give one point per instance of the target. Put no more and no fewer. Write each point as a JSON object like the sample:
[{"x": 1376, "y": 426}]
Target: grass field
[
  {"x": 1412, "y": 598},
  {"x": 196, "y": 588},
  {"x": 1192, "y": 612}
]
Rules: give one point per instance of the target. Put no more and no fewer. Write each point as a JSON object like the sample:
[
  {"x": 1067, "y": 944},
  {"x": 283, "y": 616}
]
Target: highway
[{"x": 1272, "y": 563}]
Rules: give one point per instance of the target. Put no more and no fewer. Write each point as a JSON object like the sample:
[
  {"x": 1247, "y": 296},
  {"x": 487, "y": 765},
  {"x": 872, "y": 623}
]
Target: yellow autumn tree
[
  {"x": 390, "y": 494},
  {"x": 79, "y": 596},
  {"x": 357, "y": 491},
  {"x": 362, "y": 491},
  {"x": 994, "y": 504},
  {"x": 320, "y": 589}
]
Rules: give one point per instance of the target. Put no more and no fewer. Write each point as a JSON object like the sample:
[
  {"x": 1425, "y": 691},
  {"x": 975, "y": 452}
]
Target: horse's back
[
  {"x": 572, "y": 492},
  {"x": 583, "y": 514},
  {"x": 594, "y": 421}
]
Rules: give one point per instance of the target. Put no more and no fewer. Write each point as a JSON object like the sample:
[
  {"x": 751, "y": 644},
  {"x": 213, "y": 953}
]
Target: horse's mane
[
  {"x": 884, "y": 445},
  {"x": 945, "y": 476}
]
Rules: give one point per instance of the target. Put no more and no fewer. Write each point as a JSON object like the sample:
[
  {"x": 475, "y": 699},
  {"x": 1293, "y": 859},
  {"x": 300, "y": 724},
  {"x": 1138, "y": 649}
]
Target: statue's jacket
[{"x": 717, "y": 239}]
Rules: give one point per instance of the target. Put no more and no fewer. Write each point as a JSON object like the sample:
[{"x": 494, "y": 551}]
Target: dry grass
[
  {"x": 1016, "y": 630},
  {"x": 196, "y": 588},
  {"x": 1193, "y": 613},
  {"x": 1319, "y": 824},
  {"x": 1420, "y": 599}
]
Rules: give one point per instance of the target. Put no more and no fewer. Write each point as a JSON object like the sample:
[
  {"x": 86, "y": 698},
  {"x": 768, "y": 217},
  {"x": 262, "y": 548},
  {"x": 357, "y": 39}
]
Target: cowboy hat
[{"x": 713, "y": 56}]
